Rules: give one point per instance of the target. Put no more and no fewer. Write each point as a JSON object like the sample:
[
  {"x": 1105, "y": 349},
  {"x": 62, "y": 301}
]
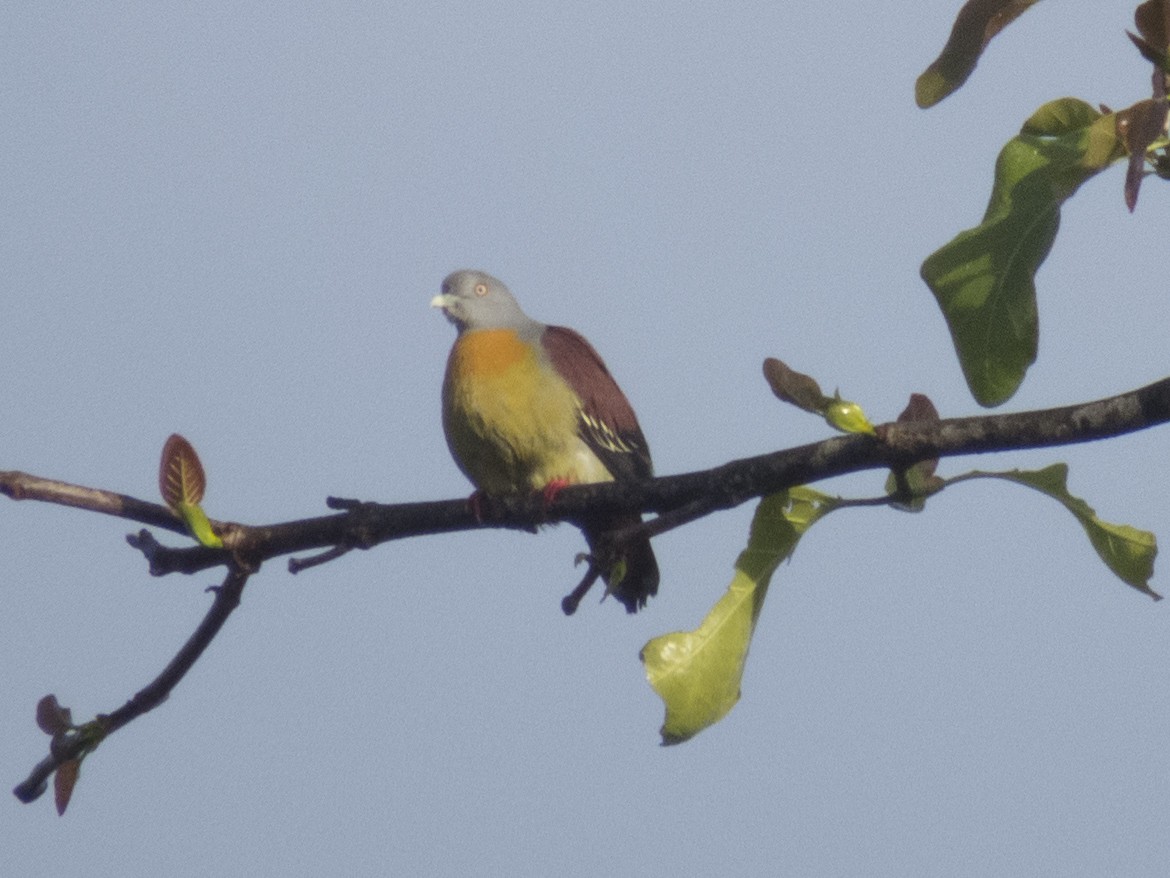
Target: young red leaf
[
  {"x": 1153, "y": 23},
  {"x": 920, "y": 408},
  {"x": 1154, "y": 55},
  {"x": 1138, "y": 127},
  {"x": 919, "y": 480},
  {"x": 63, "y": 782},
  {"x": 794, "y": 387},
  {"x": 52, "y": 718},
  {"x": 846, "y": 416},
  {"x": 180, "y": 474}
]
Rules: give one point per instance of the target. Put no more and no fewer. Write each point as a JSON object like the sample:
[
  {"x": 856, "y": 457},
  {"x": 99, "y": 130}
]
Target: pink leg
[
  {"x": 553, "y": 488},
  {"x": 475, "y": 501}
]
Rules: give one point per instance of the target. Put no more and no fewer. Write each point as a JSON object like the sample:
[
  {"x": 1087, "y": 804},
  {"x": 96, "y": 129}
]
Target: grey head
[{"x": 476, "y": 300}]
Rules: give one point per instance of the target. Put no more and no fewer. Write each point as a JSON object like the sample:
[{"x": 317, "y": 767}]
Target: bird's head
[{"x": 475, "y": 300}]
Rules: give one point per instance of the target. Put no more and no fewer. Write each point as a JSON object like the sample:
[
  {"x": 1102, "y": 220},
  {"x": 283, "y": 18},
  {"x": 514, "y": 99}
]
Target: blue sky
[{"x": 227, "y": 222}]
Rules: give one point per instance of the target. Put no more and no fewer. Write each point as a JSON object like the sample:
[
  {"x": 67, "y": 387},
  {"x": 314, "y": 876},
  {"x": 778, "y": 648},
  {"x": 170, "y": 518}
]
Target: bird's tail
[{"x": 631, "y": 571}]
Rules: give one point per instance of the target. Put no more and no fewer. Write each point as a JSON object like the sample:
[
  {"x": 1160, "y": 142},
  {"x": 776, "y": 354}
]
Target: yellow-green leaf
[
  {"x": 847, "y": 416},
  {"x": 697, "y": 673},
  {"x": 199, "y": 525},
  {"x": 1127, "y": 551}
]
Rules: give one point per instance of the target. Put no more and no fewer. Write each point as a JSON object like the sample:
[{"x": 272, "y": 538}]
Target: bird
[{"x": 532, "y": 407}]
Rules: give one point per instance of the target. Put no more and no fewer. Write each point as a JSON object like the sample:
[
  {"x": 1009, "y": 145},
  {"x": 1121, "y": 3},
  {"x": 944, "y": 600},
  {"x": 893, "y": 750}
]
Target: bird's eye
[{"x": 481, "y": 289}]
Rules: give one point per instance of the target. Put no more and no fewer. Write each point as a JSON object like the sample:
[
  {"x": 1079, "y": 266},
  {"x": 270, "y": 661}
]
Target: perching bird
[{"x": 532, "y": 407}]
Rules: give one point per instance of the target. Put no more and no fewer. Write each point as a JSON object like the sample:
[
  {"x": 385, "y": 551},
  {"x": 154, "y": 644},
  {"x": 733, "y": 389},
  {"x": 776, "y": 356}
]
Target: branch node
[{"x": 145, "y": 543}]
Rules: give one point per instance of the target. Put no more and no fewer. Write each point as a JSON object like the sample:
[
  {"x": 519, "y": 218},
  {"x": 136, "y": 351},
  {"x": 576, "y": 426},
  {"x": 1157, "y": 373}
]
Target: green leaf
[
  {"x": 984, "y": 278},
  {"x": 977, "y": 22},
  {"x": 697, "y": 673},
  {"x": 1127, "y": 551}
]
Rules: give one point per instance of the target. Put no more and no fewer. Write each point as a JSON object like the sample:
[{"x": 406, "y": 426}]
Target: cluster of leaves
[
  {"x": 984, "y": 282},
  {"x": 984, "y": 278},
  {"x": 803, "y": 392},
  {"x": 698, "y": 673},
  {"x": 57, "y": 722}
]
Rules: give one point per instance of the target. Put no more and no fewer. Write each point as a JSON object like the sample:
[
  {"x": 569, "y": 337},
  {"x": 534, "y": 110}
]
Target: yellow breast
[{"x": 510, "y": 420}]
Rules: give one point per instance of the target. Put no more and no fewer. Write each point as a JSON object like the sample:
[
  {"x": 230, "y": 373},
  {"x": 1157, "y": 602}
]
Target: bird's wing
[{"x": 606, "y": 421}]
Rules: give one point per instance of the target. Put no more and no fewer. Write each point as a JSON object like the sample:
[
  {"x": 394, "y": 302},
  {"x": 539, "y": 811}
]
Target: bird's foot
[
  {"x": 475, "y": 504},
  {"x": 553, "y": 488},
  {"x": 573, "y": 599}
]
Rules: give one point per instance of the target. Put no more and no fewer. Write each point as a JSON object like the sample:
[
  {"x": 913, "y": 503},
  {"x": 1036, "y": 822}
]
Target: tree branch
[
  {"x": 695, "y": 494},
  {"x": 678, "y": 499},
  {"x": 23, "y": 486}
]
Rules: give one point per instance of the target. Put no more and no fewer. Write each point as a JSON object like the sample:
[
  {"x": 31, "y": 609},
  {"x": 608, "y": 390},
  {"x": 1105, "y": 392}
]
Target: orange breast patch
[{"x": 488, "y": 352}]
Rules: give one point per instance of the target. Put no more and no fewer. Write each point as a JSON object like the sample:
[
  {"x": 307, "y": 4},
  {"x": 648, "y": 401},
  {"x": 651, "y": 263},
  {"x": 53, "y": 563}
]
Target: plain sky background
[{"x": 227, "y": 221}]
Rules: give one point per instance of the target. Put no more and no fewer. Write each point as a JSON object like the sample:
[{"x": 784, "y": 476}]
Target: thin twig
[
  {"x": 227, "y": 598},
  {"x": 296, "y": 565}
]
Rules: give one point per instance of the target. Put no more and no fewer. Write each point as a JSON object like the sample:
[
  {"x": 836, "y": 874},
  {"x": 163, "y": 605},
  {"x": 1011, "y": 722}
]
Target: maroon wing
[
  {"x": 609, "y": 427},
  {"x": 607, "y": 422}
]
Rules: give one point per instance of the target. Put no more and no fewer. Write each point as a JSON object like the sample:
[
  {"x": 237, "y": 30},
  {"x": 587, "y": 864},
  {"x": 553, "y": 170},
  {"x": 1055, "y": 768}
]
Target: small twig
[
  {"x": 161, "y": 557},
  {"x": 886, "y": 500},
  {"x": 669, "y": 520},
  {"x": 227, "y": 598},
  {"x": 296, "y": 565}
]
